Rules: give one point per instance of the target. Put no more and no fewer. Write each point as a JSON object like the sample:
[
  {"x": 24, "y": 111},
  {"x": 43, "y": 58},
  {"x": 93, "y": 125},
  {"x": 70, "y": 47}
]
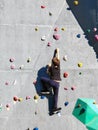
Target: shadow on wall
[
  {"x": 86, "y": 13},
  {"x": 42, "y": 73}
]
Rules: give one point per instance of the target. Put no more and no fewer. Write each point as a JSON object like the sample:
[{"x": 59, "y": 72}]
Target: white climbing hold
[
  {"x": 21, "y": 67},
  {"x": 94, "y": 29},
  {"x": 59, "y": 114},
  {"x": 14, "y": 82},
  {"x": 50, "y": 13},
  {"x": 65, "y": 58},
  {"x": 43, "y": 38},
  {"x": 29, "y": 59}
]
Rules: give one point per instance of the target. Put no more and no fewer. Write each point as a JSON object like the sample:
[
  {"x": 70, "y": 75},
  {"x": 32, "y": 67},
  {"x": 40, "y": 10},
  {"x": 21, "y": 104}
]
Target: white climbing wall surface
[{"x": 30, "y": 30}]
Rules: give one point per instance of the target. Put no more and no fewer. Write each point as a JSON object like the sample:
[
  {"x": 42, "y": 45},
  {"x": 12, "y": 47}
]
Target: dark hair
[{"x": 56, "y": 61}]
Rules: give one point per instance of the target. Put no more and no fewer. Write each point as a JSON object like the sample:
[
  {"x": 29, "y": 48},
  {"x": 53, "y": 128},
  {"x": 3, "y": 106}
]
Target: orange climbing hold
[{"x": 56, "y": 29}]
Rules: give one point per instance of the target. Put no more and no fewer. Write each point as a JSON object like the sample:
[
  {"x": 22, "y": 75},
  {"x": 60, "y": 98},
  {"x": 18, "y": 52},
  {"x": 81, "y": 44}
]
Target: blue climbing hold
[
  {"x": 42, "y": 97},
  {"x": 66, "y": 103},
  {"x": 35, "y": 128},
  {"x": 78, "y": 35}
]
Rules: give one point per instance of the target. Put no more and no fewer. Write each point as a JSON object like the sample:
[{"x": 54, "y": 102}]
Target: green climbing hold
[
  {"x": 88, "y": 30},
  {"x": 80, "y": 73}
]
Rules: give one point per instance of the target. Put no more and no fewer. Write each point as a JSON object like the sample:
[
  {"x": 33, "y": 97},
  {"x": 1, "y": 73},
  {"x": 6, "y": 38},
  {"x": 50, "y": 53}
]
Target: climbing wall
[{"x": 30, "y": 30}]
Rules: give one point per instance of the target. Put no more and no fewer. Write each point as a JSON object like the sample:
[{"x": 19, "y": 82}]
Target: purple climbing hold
[{"x": 56, "y": 36}]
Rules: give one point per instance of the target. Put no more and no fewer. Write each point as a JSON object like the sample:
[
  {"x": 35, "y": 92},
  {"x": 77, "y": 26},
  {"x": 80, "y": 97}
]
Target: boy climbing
[{"x": 53, "y": 82}]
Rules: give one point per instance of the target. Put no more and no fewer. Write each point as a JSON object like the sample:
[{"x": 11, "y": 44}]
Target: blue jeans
[{"x": 48, "y": 83}]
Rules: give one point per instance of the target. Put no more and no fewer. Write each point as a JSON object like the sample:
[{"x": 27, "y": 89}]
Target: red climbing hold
[
  {"x": 15, "y": 98},
  {"x": 73, "y": 88},
  {"x": 65, "y": 75},
  {"x": 7, "y": 105},
  {"x": 49, "y": 44},
  {"x": 11, "y": 59},
  {"x": 65, "y": 88},
  {"x": 43, "y": 6},
  {"x": 96, "y": 37},
  {"x": 6, "y": 83},
  {"x": 56, "y": 36}
]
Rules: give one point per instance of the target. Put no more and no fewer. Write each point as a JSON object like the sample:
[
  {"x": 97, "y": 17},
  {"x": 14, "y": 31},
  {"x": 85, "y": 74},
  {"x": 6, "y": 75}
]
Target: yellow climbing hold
[
  {"x": 80, "y": 64},
  {"x": 94, "y": 102},
  {"x": 36, "y": 29},
  {"x": 76, "y": 2},
  {"x": 63, "y": 29},
  {"x": 79, "y": 105},
  {"x": 36, "y": 97},
  {"x": 20, "y": 99}
]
